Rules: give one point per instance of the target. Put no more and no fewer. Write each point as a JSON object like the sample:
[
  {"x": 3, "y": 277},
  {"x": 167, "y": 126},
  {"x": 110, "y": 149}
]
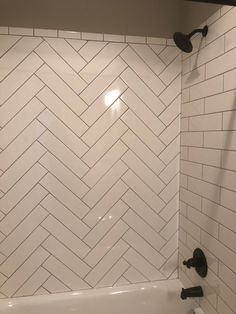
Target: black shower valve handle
[
  {"x": 198, "y": 261},
  {"x": 192, "y": 262}
]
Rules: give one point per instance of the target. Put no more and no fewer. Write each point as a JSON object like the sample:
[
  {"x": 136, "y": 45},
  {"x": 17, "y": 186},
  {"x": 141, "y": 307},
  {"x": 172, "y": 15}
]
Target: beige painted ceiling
[{"x": 158, "y": 18}]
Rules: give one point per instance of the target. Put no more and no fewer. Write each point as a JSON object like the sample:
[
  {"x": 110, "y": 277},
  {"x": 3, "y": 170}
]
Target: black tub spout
[{"x": 194, "y": 292}]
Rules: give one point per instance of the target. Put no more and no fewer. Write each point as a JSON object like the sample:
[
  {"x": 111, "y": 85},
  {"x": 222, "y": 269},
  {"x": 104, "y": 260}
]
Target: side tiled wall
[
  {"x": 89, "y": 161},
  {"x": 208, "y": 162}
]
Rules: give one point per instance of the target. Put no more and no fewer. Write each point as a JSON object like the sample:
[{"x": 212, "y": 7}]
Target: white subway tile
[
  {"x": 92, "y": 36},
  {"x": 230, "y": 80},
  {"x": 21, "y": 31},
  {"x": 115, "y": 38},
  {"x": 230, "y": 39},
  {"x": 221, "y": 102},
  {"x": 228, "y": 238},
  {"x": 207, "y": 88},
  {"x": 222, "y": 64},
  {"x": 135, "y": 39},
  {"x": 69, "y": 34},
  {"x": 206, "y": 122},
  {"x": 45, "y": 32},
  {"x": 205, "y": 156}
]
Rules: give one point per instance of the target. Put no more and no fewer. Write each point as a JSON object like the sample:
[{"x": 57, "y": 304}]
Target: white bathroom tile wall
[
  {"x": 89, "y": 160},
  {"x": 208, "y": 158}
]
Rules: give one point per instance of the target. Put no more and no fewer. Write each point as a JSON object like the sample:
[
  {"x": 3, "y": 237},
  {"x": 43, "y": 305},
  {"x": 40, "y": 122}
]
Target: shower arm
[
  {"x": 203, "y": 30},
  {"x": 198, "y": 30}
]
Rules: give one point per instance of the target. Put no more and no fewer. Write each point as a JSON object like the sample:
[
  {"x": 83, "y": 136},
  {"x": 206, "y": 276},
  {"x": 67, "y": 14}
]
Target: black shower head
[{"x": 183, "y": 42}]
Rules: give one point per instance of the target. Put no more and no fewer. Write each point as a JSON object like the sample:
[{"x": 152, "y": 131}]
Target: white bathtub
[{"x": 161, "y": 297}]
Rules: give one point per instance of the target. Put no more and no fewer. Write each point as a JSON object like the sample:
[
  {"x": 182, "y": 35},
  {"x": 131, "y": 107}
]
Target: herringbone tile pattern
[{"x": 89, "y": 164}]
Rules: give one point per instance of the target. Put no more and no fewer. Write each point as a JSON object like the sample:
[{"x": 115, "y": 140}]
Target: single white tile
[
  {"x": 45, "y": 32},
  {"x": 230, "y": 80},
  {"x": 227, "y": 276},
  {"x": 208, "y": 122},
  {"x": 4, "y": 30},
  {"x": 192, "y": 139},
  {"x": 205, "y": 156},
  {"x": 21, "y": 31},
  {"x": 92, "y": 36},
  {"x": 207, "y": 88},
  {"x": 156, "y": 41},
  {"x": 193, "y": 108},
  {"x": 230, "y": 41},
  {"x": 221, "y": 64},
  {"x": 218, "y": 139},
  {"x": 228, "y": 238},
  {"x": 135, "y": 39},
  {"x": 115, "y": 38},
  {"x": 69, "y": 34}
]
